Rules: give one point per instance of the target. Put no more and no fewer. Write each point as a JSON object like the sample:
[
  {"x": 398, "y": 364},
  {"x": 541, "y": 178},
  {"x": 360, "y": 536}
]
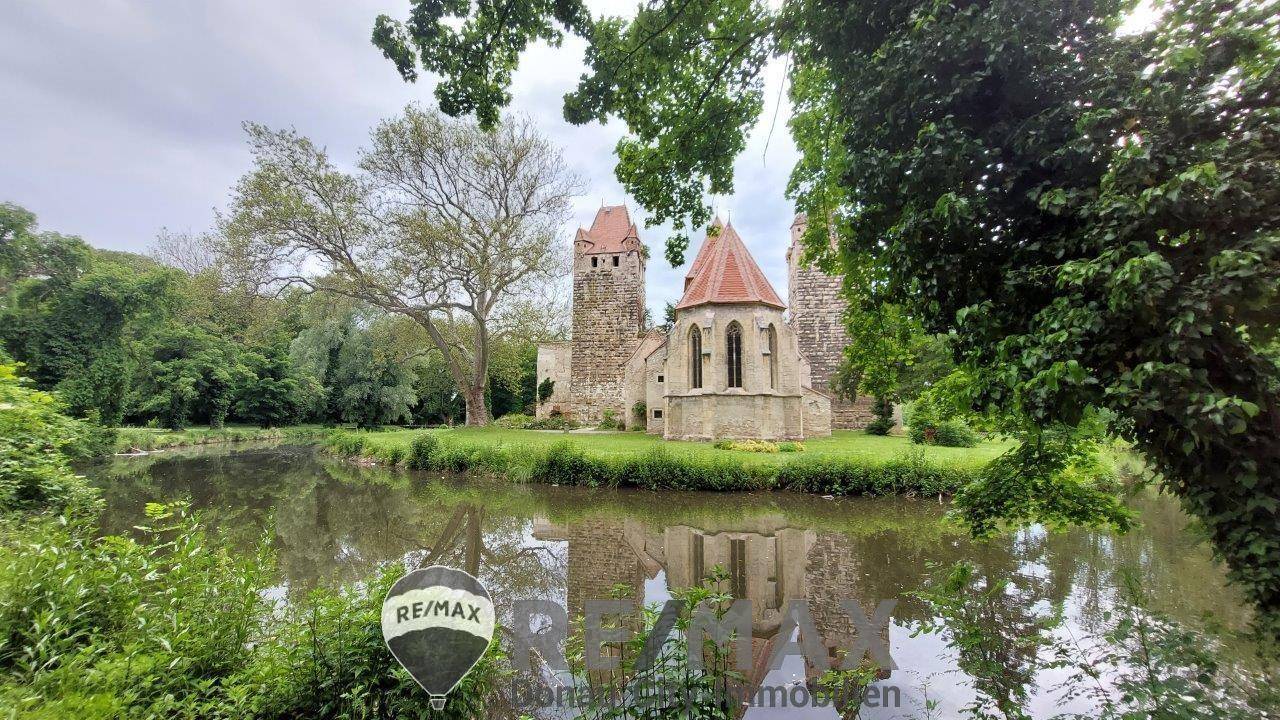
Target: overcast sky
[{"x": 120, "y": 117}]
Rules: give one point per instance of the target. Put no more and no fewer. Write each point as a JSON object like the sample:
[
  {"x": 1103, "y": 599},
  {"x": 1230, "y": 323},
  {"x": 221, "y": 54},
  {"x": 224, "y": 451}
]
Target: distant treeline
[{"x": 125, "y": 339}]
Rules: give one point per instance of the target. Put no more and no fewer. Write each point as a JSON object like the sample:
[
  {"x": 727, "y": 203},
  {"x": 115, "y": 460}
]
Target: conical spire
[{"x": 725, "y": 272}]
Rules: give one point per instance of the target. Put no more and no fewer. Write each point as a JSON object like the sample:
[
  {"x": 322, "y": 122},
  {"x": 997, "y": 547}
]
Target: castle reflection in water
[{"x": 767, "y": 562}]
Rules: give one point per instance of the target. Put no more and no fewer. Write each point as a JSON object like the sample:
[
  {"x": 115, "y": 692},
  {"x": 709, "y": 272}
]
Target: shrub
[
  {"x": 421, "y": 450},
  {"x": 947, "y": 433},
  {"x": 955, "y": 433},
  {"x": 758, "y": 446},
  {"x": 157, "y": 627},
  {"x": 661, "y": 470},
  {"x": 349, "y": 444},
  {"x": 883, "y": 409},
  {"x": 554, "y": 422},
  {"x": 564, "y": 463},
  {"x": 390, "y": 454},
  {"x": 178, "y": 624},
  {"x": 328, "y": 660},
  {"x": 609, "y": 420},
  {"x": 790, "y": 447},
  {"x": 545, "y": 389},
  {"x": 34, "y": 438},
  {"x": 514, "y": 421},
  {"x": 826, "y": 476}
]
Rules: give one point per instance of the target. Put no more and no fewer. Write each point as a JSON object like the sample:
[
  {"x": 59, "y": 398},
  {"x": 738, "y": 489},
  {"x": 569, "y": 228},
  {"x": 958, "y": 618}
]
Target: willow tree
[
  {"x": 448, "y": 224},
  {"x": 1096, "y": 214}
]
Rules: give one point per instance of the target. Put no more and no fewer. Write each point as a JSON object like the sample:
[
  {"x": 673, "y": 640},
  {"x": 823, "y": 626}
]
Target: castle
[{"x": 731, "y": 366}]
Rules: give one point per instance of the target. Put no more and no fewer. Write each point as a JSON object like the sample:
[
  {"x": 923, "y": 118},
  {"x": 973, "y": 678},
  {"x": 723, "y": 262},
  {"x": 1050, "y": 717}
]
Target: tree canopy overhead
[{"x": 1096, "y": 214}]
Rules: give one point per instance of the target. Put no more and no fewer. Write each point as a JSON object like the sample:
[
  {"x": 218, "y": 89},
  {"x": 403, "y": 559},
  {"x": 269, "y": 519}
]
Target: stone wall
[
  {"x": 656, "y": 391},
  {"x": 638, "y": 377},
  {"x": 817, "y": 413},
  {"x": 817, "y": 311},
  {"x": 769, "y": 403},
  {"x": 608, "y": 319},
  {"x": 735, "y": 415},
  {"x": 553, "y": 362}
]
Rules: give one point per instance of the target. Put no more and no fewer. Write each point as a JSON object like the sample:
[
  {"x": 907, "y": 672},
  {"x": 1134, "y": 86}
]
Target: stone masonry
[
  {"x": 608, "y": 313},
  {"x": 817, "y": 311}
]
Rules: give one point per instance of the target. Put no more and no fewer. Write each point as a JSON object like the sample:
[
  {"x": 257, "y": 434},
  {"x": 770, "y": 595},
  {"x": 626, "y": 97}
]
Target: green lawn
[{"x": 843, "y": 444}]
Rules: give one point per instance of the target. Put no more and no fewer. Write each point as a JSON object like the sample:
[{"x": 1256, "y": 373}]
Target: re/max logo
[{"x": 439, "y": 608}]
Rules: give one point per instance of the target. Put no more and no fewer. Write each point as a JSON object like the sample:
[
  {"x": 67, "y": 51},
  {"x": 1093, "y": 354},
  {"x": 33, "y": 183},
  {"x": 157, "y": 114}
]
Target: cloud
[{"x": 123, "y": 116}]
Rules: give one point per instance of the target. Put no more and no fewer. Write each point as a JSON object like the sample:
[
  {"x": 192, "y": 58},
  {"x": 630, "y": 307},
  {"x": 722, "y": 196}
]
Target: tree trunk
[{"x": 477, "y": 411}]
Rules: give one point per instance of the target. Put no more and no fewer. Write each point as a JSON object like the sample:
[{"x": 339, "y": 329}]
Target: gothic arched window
[
  {"x": 771, "y": 342},
  {"x": 733, "y": 345},
  {"x": 695, "y": 357}
]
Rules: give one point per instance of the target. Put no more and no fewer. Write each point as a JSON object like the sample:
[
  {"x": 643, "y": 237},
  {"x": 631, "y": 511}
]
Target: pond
[{"x": 331, "y": 521}]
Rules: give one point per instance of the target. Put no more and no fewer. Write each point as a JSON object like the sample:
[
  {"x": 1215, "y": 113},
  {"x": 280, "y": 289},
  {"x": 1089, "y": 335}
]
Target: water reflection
[{"x": 332, "y": 521}]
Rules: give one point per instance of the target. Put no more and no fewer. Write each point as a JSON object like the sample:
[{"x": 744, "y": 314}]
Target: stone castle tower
[
  {"x": 817, "y": 310},
  {"x": 608, "y": 312}
]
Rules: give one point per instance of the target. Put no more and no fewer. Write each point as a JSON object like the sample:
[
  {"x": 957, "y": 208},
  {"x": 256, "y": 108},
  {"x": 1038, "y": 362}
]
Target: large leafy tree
[
  {"x": 184, "y": 375},
  {"x": 1097, "y": 214},
  {"x": 70, "y": 311},
  {"x": 448, "y": 225},
  {"x": 360, "y": 361}
]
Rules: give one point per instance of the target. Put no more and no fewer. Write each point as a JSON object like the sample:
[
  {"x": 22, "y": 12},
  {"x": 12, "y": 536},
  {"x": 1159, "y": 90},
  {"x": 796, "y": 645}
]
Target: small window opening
[
  {"x": 657, "y": 414},
  {"x": 661, "y": 378},
  {"x": 615, "y": 261},
  {"x": 595, "y": 262}
]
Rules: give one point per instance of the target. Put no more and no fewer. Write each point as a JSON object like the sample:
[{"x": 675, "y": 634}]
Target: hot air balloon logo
[{"x": 438, "y": 622}]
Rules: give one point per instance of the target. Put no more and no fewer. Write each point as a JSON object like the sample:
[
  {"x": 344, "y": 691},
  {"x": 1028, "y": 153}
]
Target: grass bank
[
  {"x": 848, "y": 463},
  {"x": 135, "y": 439}
]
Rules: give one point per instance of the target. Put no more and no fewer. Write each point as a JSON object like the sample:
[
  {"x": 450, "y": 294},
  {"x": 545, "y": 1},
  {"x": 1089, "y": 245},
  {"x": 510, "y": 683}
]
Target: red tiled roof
[
  {"x": 724, "y": 272},
  {"x": 609, "y": 231}
]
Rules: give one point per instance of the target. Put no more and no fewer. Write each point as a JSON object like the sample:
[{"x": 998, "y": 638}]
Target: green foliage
[
  {"x": 421, "y": 450},
  {"x": 185, "y": 374},
  {"x": 1098, "y": 224},
  {"x": 130, "y": 439},
  {"x": 906, "y": 476},
  {"x": 35, "y": 438},
  {"x": 553, "y": 422},
  {"x": 175, "y": 624},
  {"x": 672, "y": 73},
  {"x": 174, "y": 621},
  {"x": 515, "y": 421},
  {"x": 883, "y": 409},
  {"x": 328, "y": 659},
  {"x": 146, "y": 627},
  {"x": 1052, "y": 478},
  {"x": 565, "y": 463},
  {"x": 345, "y": 443},
  {"x": 609, "y": 420},
  {"x": 545, "y": 389},
  {"x": 272, "y": 394},
  {"x": 70, "y": 329},
  {"x": 939, "y": 414},
  {"x": 760, "y": 446}
]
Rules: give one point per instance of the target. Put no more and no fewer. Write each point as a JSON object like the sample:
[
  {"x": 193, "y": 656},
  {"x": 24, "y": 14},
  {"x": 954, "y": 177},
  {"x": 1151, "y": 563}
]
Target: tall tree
[
  {"x": 446, "y": 224},
  {"x": 1099, "y": 215}
]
